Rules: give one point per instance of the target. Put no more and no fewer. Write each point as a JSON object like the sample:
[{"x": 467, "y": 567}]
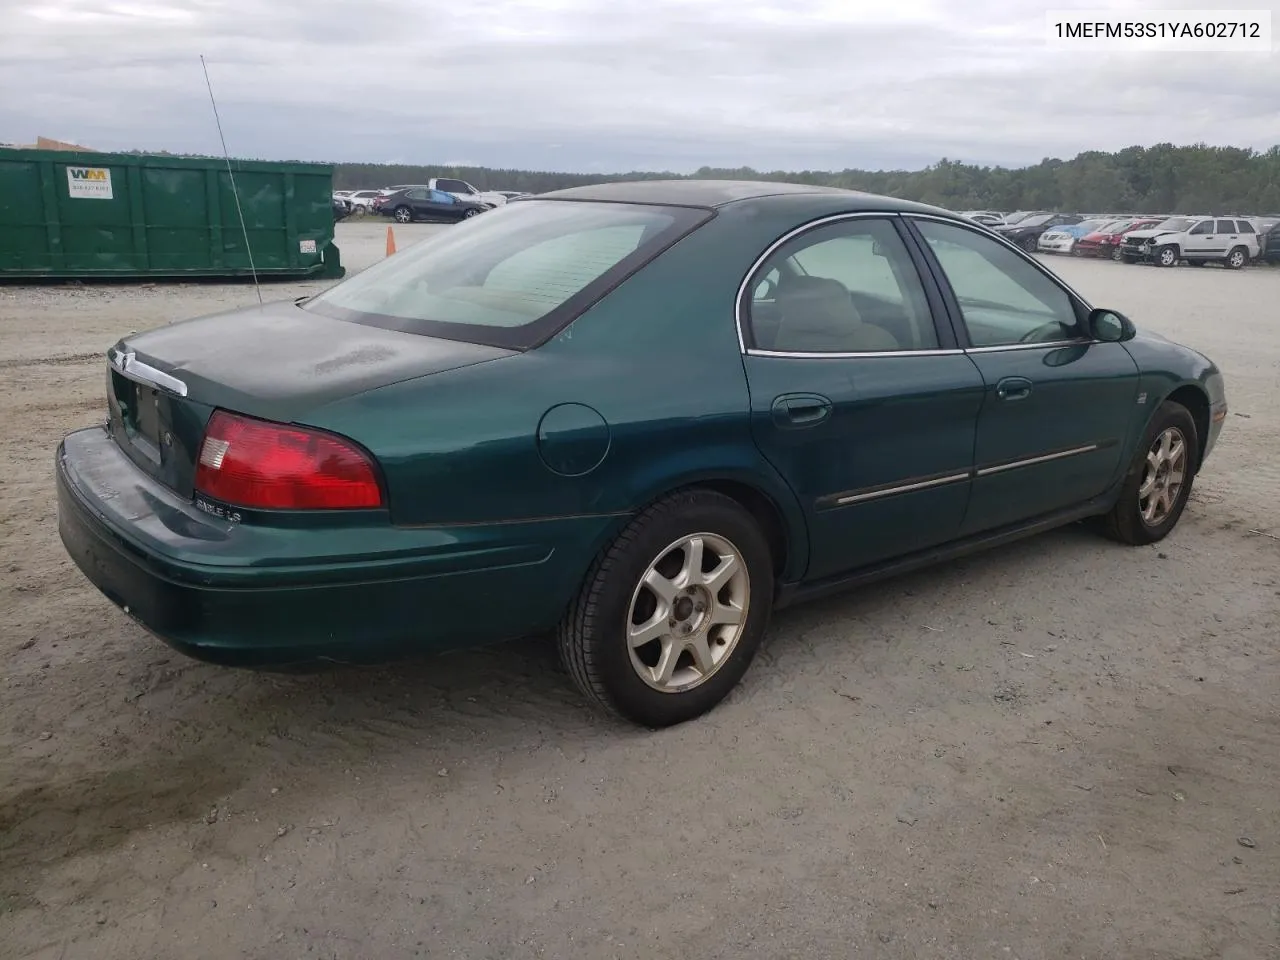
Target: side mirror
[{"x": 1110, "y": 326}]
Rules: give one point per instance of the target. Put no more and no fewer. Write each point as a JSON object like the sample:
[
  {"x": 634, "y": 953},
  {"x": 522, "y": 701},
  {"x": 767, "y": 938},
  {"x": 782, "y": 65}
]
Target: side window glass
[
  {"x": 416, "y": 195},
  {"x": 1201, "y": 228},
  {"x": 1246, "y": 226},
  {"x": 1226, "y": 226},
  {"x": 848, "y": 287},
  {"x": 438, "y": 196},
  {"x": 1004, "y": 300}
]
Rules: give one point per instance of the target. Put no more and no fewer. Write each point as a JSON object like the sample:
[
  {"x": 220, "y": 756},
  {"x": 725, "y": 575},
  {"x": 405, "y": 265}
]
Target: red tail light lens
[{"x": 273, "y": 466}]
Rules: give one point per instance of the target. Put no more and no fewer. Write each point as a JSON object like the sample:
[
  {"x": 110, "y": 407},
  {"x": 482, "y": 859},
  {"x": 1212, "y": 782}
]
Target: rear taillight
[{"x": 274, "y": 466}]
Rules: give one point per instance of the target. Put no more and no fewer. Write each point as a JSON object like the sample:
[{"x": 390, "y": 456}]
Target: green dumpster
[{"x": 66, "y": 214}]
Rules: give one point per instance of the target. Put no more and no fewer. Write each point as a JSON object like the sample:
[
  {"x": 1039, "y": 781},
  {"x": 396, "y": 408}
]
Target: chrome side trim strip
[
  {"x": 803, "y": 228},
  {"x": 755, "y": 352},
  {"x": 844, "y": 501},
  {"x": 1031, "y": 461},
  {"x": 952, "y": 352},
  {"x": 926, "y": 483},
  {"x": 1002, "y": 347},
  {"x": 126, "y": 362}
]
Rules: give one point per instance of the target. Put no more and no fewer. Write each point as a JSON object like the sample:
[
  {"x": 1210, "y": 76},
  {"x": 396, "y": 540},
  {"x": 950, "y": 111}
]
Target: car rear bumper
[{"x": 254, "y": 595}]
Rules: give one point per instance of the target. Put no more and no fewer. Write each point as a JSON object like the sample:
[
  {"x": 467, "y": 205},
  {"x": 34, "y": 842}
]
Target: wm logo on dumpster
[{"x": 89, "y": 182}]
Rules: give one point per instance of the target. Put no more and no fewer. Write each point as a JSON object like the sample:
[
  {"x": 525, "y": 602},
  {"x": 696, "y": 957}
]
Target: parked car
[
  {"x": 465, "y": 191},
  {"x": 513, "y": 194},
  {"x": 1270, "y": 246},
  {"x": 1105, "y": 241},
  {"x": 361, "y": 201},
  {"x": 1010, "y": 219},
  {"x": 985, "y": 217},
  {"x": 419, "y": 203},
  {"x": 1062, "y": 238},
  {"x": 1198, "y": 240},
  {"x": 491, "y": 434},
  {"x": 1026, "y": 232},
  {"x": 340, "y": 208}
]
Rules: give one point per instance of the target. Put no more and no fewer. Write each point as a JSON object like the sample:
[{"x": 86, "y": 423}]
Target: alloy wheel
[
  {"x": 1163, "y": 476},
  {"x": 688, "y": 612}
]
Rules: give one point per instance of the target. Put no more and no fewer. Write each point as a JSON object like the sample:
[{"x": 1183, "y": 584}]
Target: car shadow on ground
[{"x": 174, "y": 734}]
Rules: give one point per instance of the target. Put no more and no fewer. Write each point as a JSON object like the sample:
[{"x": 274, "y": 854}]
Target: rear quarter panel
[{"x": 657, "y": 360}]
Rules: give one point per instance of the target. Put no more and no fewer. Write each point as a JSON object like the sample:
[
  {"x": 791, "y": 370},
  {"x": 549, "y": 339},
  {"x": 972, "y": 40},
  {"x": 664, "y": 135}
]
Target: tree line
[{"x": 1161, "y": 179}]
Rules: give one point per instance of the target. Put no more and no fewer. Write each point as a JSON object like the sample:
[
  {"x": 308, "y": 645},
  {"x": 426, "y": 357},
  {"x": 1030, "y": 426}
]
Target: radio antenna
[{"x": 234, "y": 192}]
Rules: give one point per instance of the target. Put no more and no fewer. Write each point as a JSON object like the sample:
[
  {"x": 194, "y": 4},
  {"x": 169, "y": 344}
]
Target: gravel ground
[{"x": 1064, "y": 748}]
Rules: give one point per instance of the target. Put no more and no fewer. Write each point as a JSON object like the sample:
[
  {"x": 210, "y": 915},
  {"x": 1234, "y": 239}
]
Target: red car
[{"x": 1106, "y": 242}]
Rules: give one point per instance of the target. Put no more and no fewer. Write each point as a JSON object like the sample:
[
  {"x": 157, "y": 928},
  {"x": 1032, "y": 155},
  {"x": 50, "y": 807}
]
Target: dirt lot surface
[{"x": 1061, "y": 749}]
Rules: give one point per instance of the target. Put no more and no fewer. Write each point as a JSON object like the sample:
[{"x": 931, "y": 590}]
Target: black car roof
[{"x": 717, "y": 193}]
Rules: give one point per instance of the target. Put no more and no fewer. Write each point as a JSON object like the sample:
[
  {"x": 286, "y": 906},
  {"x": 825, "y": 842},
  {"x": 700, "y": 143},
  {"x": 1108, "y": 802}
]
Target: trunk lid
[{"x": 273, "y": 361}]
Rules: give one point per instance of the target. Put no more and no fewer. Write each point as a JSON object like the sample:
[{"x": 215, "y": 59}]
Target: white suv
[{"x": 1233, "y": 241}]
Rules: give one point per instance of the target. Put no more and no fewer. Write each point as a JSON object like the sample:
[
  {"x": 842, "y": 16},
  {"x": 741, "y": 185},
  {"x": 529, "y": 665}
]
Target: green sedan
[{"x": 640, "y": 415}]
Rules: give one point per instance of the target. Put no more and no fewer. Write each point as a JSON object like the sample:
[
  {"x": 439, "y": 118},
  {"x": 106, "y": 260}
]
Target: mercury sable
[{"x": 640, "y": 415}]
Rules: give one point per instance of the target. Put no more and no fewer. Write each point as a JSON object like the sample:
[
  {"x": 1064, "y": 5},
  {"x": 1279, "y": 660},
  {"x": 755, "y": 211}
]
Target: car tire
[
  {"x": 615, "y": 601},
  {"x": 402, "y": 214},
  {"x": 1237, "y": 258},
  {"x": 470, "y": 213},
  {"x": 1133, "y": 520},
  {"x": 1167, "y": 256},
  {"x": 1030, "y": 244},
  {"x": 1117, "y": 256}
]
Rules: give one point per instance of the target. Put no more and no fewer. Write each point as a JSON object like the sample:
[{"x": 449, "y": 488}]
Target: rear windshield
[{"x": 512, "y": 276}]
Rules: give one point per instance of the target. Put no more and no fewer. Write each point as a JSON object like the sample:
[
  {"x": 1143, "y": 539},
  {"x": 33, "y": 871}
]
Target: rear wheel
[
  {"x": 470, "y": 213},
  {"x": 1158, "y": 483},
  {"x": 671, "y": 614},
  {"x": 402, "y": 214},
  {"x": 1237, "y": 258},
  {"x": 1167, "y": 256},
  {"x": 1030, "y": 244}
]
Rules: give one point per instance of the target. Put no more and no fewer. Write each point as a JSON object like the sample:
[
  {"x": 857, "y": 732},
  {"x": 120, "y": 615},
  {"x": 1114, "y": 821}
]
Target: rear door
[
  {"x": 1057, "y": 406},
  {"x": 418, "y": 202},
  {"x": 1227, "y": 237},
  {"x": 858, "y": 397}
]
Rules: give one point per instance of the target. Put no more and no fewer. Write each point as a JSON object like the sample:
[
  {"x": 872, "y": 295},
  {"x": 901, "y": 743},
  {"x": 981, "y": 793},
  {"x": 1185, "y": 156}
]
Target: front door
[
  {"x": 858, "y": 398},
  {"x": 1057, "y": 406},
  {"x": 1202, "y": 241}
]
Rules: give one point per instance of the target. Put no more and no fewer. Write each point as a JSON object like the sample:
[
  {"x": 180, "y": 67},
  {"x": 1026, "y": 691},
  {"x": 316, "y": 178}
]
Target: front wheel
[
  {"x": 1030, "y": 244},
  {"x": 1158, "y": 483},
  {"x": 1167, "y": 256},
  {"x": 1237, "y": 258},
  {"x": 671, "y": 614}
]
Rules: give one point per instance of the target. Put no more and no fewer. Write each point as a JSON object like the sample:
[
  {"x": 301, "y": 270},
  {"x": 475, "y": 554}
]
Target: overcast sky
[{"x": 615, "y": 85}]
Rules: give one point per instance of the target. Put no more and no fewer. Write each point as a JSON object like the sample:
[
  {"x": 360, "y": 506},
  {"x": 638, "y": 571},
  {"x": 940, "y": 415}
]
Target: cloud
[{"x": 627, "y": 84}]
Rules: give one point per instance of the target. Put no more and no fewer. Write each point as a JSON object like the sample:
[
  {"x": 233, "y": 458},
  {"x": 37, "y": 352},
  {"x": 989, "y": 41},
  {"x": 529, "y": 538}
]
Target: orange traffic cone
[{"x": 391, "y": 242}]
